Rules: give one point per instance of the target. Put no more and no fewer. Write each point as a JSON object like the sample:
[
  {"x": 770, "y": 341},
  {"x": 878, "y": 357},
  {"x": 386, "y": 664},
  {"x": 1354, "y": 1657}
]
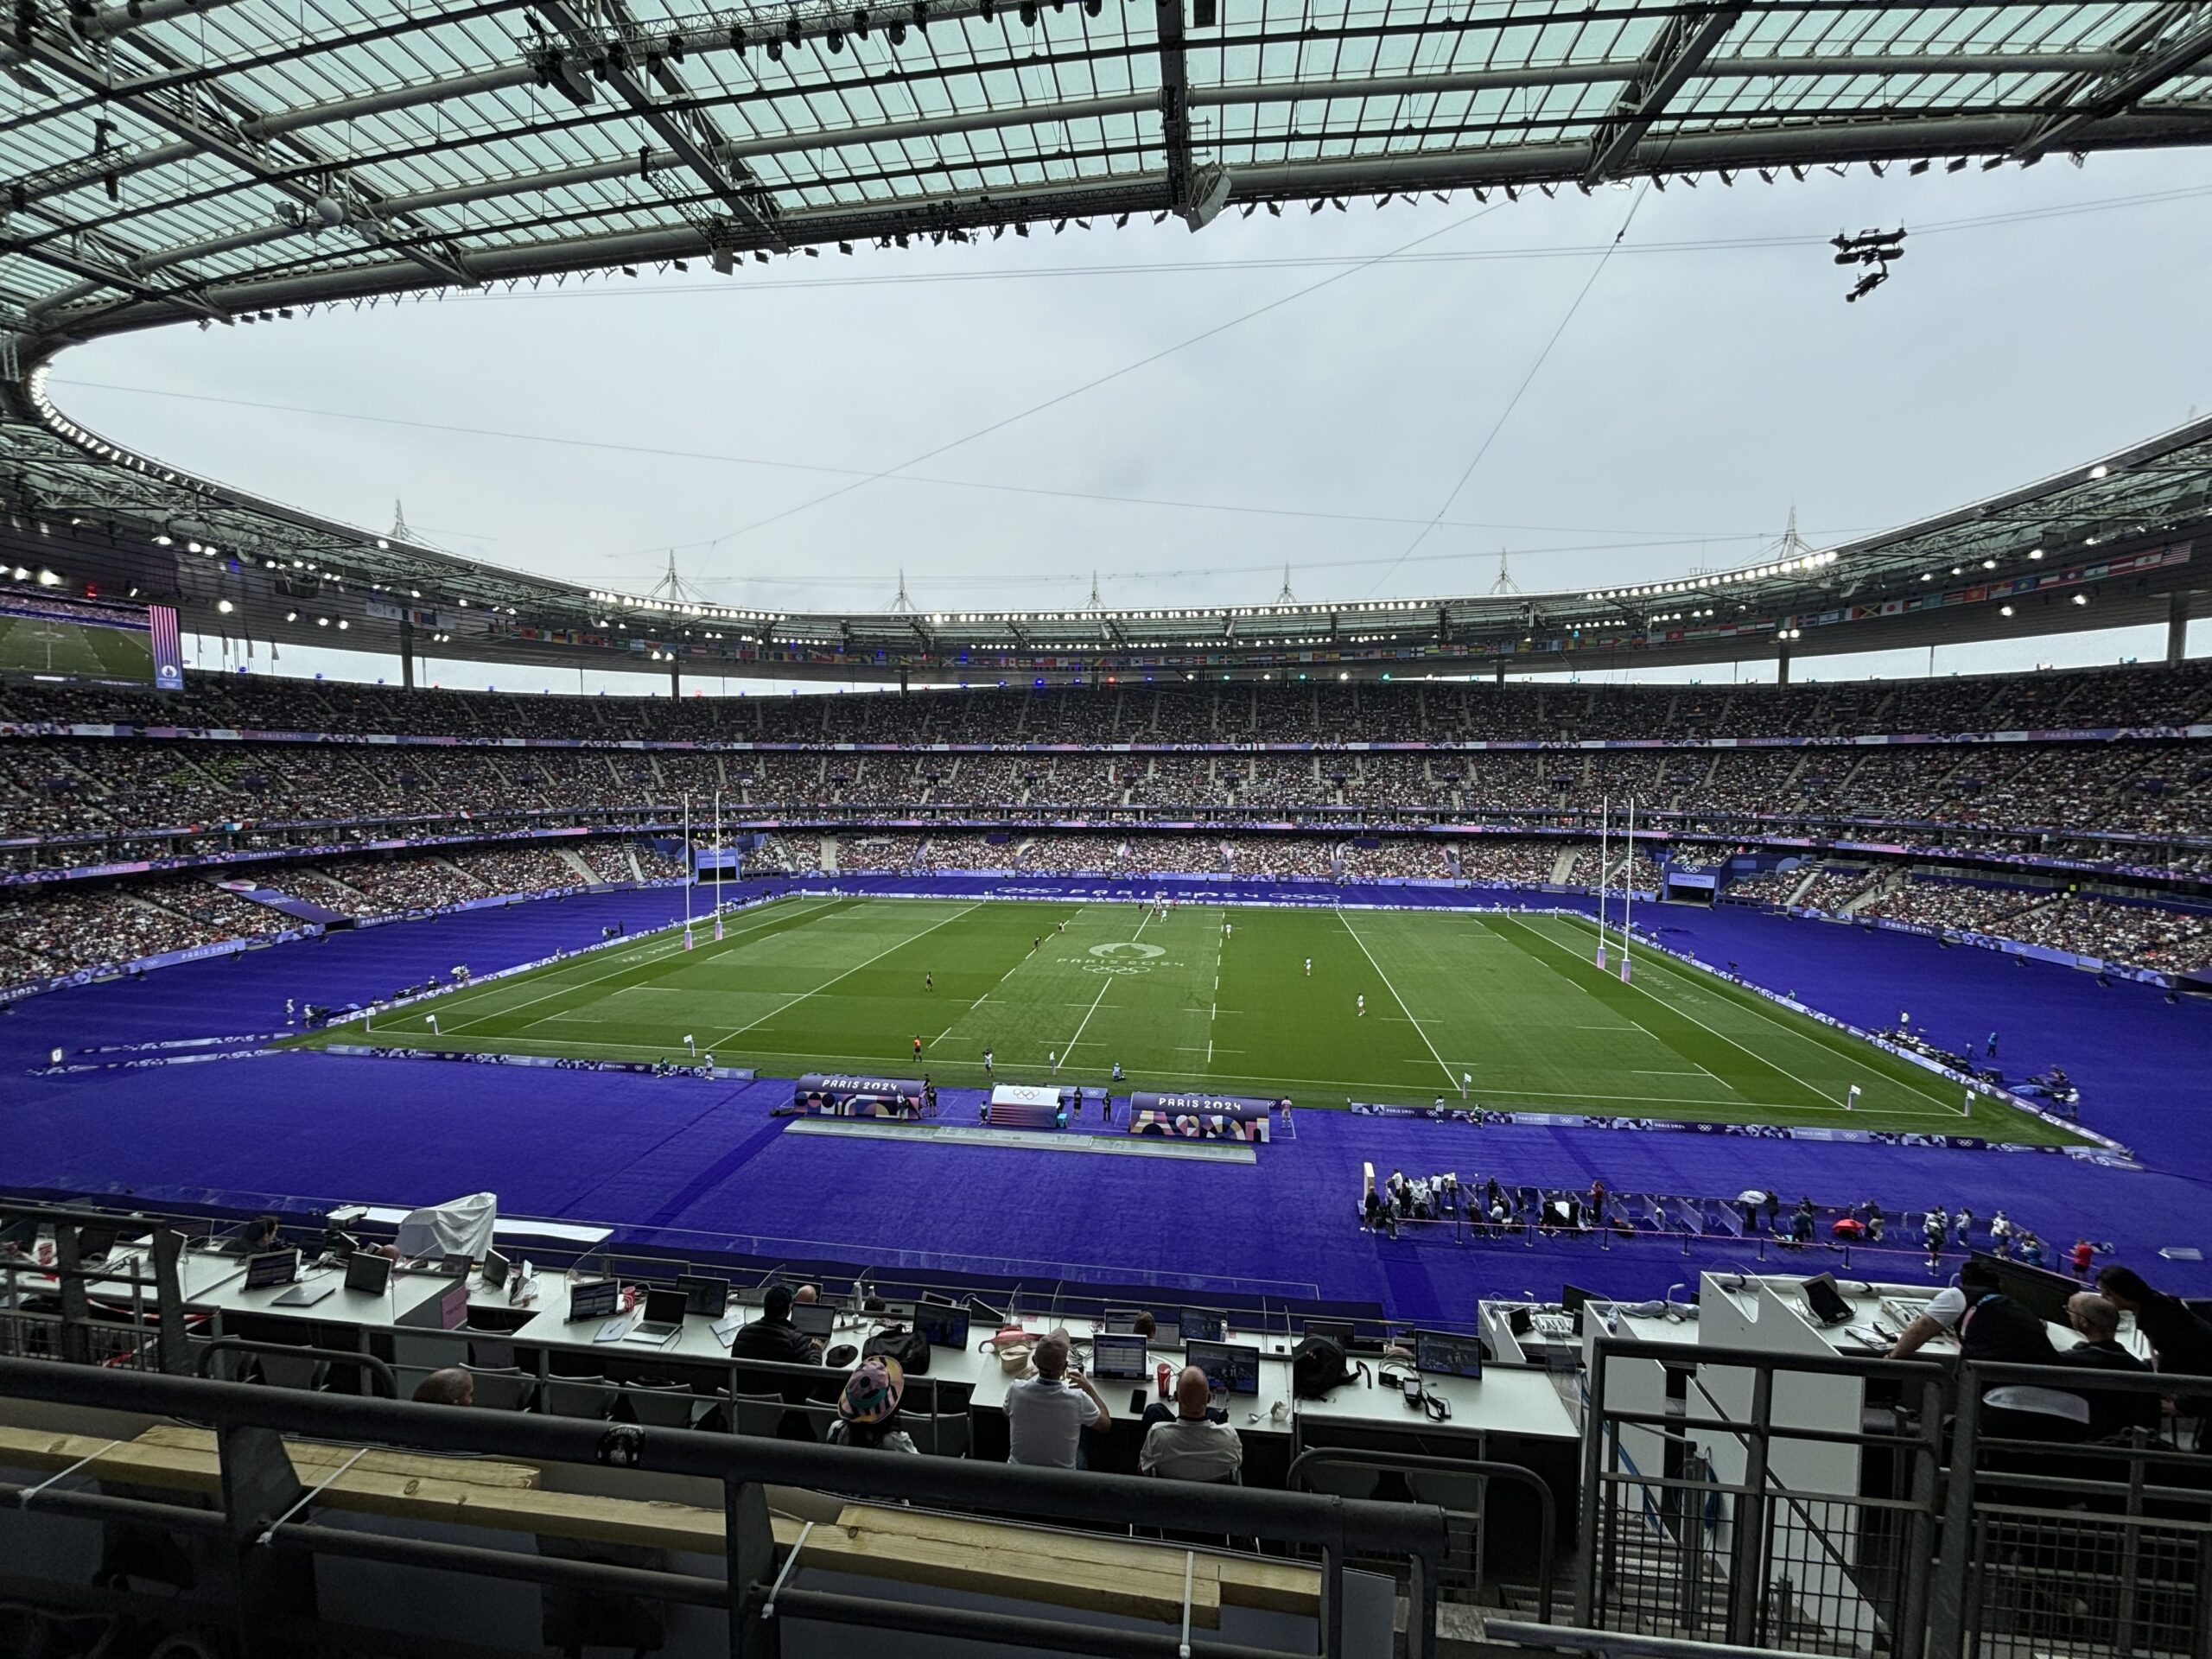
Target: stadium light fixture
[
  {"x": 2079, "y": 599},
  {"x": 322, "y": 621},
  {"x": 225, "y": 606},
  {"x": 291, "y": 616},
  {"x": 2004, "y": 610},
  {"x": 2035, "y": 552},
  {"x": 341, "y": 625}
]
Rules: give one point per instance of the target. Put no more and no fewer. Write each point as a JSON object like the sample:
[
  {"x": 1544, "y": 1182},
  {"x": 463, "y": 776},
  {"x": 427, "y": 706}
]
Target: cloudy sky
[{"x": 1185, "y": 415}]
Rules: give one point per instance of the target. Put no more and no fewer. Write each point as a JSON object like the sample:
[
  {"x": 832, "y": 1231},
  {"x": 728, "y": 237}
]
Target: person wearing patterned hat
[{"x": 868, "y": 1411}]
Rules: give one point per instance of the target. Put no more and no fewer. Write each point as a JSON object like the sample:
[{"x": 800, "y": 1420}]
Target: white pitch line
[
  {"x": 629, "y": 960},
  {"x": 791, "y": 1003},
  {"x": 1395, "y": 997},
  {"x": 1103, "y": 988}
]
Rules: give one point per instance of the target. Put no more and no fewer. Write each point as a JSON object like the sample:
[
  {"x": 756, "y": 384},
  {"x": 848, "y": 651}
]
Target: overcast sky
[{"x": 1343, "y": 371}]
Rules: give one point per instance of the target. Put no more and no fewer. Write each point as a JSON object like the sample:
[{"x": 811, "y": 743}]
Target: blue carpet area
[{"x": 687, "y": 1164}]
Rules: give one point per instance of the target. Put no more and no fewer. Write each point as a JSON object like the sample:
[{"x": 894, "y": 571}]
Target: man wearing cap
[
  {"x": 868, "y": 1411},
  {"x": 1193, "y": 1446},
  {"x": 773, "y": 1335},
  {"x": 1045, "y": 1414}
]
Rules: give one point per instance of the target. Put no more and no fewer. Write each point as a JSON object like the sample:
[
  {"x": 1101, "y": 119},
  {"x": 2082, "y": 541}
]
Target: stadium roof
[{"x": 239, "y": 160}]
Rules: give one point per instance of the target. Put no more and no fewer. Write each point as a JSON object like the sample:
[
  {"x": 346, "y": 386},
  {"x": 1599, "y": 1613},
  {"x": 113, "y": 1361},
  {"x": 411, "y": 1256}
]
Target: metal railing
[
  {"x": 1774, "y": 1502},
  {"x": 1470, "y": 1518},
  {"x": 262, "y": 1510}
]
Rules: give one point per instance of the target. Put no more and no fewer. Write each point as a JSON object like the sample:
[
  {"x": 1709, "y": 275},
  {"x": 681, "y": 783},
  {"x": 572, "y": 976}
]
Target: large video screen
[{"x": 53, "y": 637}]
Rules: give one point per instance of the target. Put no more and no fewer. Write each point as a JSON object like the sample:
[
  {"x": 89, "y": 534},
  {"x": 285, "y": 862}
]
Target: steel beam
[
  {"x": 696, "y": 151},
  {"x": 1174, "y": 103},
  {"x": 2172, "y": 43},
  {"x": 1675, "y": 57}
]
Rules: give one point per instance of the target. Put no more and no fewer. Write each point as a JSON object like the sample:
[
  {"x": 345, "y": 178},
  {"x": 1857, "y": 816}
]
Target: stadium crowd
[{"x": 1319, "y": 712}]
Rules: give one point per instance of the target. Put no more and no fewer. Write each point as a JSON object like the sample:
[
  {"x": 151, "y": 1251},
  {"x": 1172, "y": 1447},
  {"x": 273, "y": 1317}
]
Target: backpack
[
  {"x": 905, "y": 1346},
  {"x": 1317, "y": 1365}
]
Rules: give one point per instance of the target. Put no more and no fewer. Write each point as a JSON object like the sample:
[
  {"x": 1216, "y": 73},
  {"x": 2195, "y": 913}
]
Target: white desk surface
[{"x": 1514, "y": 1401}]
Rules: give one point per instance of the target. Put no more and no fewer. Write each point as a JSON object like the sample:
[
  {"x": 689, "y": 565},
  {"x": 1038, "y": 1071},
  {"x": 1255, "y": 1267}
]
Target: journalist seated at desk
[
  {"x": 867, "y": 1410},
  {"x": 773, "y": 1335},
  {"x": 1047, "y": 1413},
  {"x": 1196, "y": 1443}
]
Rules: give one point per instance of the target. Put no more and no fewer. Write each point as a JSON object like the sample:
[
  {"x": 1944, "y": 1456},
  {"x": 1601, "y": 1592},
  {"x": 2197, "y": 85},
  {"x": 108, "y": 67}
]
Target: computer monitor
[
  {"x": 666, "y": 1306},
  {"x": 941, "y": 1326},
  {"x": 271, "y": 1268},
  {"x": 369, "y": 1275},
  {"x": 1119, "y": 1357},
  {"x": 2042, "y": 1293},
  {"x": 1439, "y": 1354},
  {"x": 930, "y": 1299},
  {"x": 1121, "y": 1321},
  {"x": 596, "y": 1300},
  {"x": 1230, "y": 1368},
  {"x": 1338, "y": 1330},
  {"x": 496, "y": 1268},
  {"x": 814, "y": 1318},
  {"x": 1826, "y": 1301},
  {"x": 93, "y": 1244},
  {"x": 456, "y": 1264},
  {"x": 1198, "y": 1325},
  {"x": 1572, "y": 1297},
  {"x": 705, "y": 1294},
  {"x": 20, "y": 1234}
]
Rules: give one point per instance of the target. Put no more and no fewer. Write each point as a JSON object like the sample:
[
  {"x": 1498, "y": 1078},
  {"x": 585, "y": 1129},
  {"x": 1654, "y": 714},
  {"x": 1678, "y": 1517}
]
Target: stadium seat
[
  {"x": 503, "y": 1388},
  {"x": 580, "y": 1397},
  {"x": 753, "y": 1413},
  {"x": 946, "y": 1435},
  {"x": 662, "y": 1405}
]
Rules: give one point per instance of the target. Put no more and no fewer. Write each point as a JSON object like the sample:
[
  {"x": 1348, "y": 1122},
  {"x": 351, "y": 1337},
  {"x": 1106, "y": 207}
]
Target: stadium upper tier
[
  {"x": 1166, "y": 714},
  {"x": 205, "y": 162},
  {"x": 2107, "y": 772}
]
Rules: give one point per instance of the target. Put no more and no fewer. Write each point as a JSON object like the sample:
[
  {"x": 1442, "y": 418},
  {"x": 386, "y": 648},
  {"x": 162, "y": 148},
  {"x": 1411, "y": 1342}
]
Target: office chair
[
  {"x": 662, "y": 1405},
  {"x": 503, "y": 1388},
  {"x": 579, "y": 1396}
]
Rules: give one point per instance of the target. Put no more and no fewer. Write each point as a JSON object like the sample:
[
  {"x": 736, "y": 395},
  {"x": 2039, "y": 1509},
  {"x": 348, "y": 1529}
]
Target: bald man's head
[
  {"x": 807, "y": 1294},
  {"x": 1193, "y": 1393},
  {"x": 2092, "y": 1316}
]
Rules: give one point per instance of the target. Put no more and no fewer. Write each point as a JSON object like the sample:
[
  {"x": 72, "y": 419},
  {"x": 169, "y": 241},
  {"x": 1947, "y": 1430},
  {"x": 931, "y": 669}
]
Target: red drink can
[{"x": 1167, "y": 1374}]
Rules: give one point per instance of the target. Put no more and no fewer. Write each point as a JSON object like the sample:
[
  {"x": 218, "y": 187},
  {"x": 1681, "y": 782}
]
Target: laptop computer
[
  {"x": 496, "y": 1268},
  {"x": 1199, "y": 1326},
  {"x": 664, "y": 1317},
  {"x": 369, "y": 1275},
  {"x": 814, "y": 1319},
  {"x": 1442, "y": 1354},
  {"x": 1121, "y": 1321},
  {"x": 272, "y": 1268},
  {"x": 594, "y": 1301},
  {"x": 705, "y": 1294},
  {"x": 1230, "y": 1368},
  {"x": 1118, "y": 1355},
  {"x": 942, "y": 1327},
  {"x": 306, "y": 1294}
]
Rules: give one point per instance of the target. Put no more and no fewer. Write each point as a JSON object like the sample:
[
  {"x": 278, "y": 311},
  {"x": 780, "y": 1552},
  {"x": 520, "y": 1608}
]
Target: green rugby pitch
[{"x": 1206, "y": 997}]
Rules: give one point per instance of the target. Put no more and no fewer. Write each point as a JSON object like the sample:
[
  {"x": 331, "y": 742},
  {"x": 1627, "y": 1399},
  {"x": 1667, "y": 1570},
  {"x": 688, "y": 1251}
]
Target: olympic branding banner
[{"x": 1202, "y": 1117}]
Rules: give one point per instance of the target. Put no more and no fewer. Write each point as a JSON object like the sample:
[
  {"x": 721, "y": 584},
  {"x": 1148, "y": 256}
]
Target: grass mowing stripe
[
  {"x": 1843, "y": 1048},
  {"x": 1819, "y": 1037},
  {"x": 656, "y": 950},
  {"x": 792, "y": 1002},
  {"x": 1683, "y": 1014},
  {"x": 1419, "y": 1030},
  {"x": 1108, "y": 985}
]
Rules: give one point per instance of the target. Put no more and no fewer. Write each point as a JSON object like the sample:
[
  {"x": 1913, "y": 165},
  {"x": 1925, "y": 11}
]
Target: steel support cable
[
  {"x": 1092, "y": 385},
  {"x": 1514, "y": 402}
]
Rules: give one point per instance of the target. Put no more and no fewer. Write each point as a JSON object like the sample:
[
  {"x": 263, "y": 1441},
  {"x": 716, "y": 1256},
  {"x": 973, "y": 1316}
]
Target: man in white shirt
[
  {"x": 1045, "y": 1414},
  {"x": 1192, "y": 1447},
  {"x": 1990, "y": 1325}
]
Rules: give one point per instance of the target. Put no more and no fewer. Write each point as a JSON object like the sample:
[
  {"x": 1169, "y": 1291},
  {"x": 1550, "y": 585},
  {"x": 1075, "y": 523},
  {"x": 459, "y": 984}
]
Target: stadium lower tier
[{"x": 50, "y": 930}]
